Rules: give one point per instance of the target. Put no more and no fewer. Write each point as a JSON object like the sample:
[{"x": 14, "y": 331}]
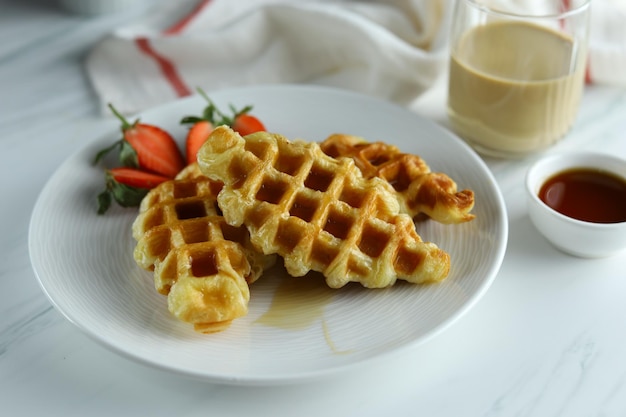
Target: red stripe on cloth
[
  {"x": 181, "y": 24},
  {"x": 564, "y": 6},
  {"x": 167, "y": 67},
  {"x": 588, "y": 77}
]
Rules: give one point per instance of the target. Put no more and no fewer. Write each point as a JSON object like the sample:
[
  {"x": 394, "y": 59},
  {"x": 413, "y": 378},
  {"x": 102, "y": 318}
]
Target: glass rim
[{"x": 584, "y": 4}]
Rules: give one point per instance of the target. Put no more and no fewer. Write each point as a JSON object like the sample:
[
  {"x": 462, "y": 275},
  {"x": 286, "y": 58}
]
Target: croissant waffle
[
  {"x": 201, "y": 263},
  {"x": 420, "y": 192},
  {"x": 317, "y": 212}
]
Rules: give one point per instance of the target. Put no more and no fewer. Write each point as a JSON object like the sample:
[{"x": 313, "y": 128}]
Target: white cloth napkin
[
  {"x": 394, "y": 49},
  {"x": 607, "y": 42}
]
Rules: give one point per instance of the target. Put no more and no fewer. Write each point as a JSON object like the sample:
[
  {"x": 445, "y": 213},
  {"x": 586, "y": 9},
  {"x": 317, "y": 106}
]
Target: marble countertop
[{"x": 546, "y": 340}]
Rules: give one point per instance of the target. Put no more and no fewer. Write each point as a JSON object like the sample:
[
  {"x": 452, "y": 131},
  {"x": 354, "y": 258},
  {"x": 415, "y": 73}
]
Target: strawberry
[
  {"x": 197, "y": 135},
  {"x": 202, "y": 126},
  {"x": 245, "y": 124},
  {"x": 146, "y": 147},
  {"x": 136, "y": 177},
  {"x": 127, "y": 186}
]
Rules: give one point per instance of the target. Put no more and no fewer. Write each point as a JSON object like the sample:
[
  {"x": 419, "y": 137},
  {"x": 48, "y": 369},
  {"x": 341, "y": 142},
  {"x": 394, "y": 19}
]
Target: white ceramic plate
[{"x": 85, "y": 266}]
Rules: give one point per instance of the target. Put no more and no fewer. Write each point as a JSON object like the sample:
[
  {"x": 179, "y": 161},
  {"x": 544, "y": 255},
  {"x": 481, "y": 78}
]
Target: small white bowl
[{"x": 575, "y": 237}]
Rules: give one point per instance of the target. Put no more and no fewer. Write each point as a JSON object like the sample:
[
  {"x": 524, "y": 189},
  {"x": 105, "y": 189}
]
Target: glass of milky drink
[{"x": 517, "y": 71}]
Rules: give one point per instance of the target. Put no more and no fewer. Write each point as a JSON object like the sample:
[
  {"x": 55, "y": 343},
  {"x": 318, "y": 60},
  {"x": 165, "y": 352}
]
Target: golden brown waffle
[
  {"x": 317, "y": 212},
  {"x": 200, "y": 262},
  {"x": 420, "y": 191}
]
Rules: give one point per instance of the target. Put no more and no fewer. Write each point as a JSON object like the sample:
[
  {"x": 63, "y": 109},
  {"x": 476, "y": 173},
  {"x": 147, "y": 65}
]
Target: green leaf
[
  {"x": 190, "y": 120},
  {"x": 128, "y": 155},
  {"x": 209, "y": 113},
  {"x": 127, "y": 196},
  {"x": 105, "y": 151},
  {"x": 124, "y": 195},
  {"x": 104, "y": 201},
  {"x": 245, "y": 110}
]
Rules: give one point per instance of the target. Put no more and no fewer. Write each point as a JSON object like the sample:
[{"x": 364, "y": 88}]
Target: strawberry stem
[
  {"x": 215, "y": 108},
  {"x": 125, "y": 124},
  {"x": 223, "y": 118},
  {"x": 238, "y": 113},
  {"x": 214, "y": 115}
]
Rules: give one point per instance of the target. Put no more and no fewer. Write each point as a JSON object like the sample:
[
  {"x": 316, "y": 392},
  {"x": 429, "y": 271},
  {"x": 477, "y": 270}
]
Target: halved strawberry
[
  {"x": 136, "y": 177},
  {"x": 127, "y": 186},
  {"x": 147, "y": 147},
  {"x": 197, "y": 135}
]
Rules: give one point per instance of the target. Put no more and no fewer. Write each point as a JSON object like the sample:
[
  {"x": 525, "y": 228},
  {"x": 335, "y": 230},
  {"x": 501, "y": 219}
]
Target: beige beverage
[{"x": 514, "y": 87}]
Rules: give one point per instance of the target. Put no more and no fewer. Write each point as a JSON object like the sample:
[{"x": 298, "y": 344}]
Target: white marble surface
[{"x": 547, "y": 339}]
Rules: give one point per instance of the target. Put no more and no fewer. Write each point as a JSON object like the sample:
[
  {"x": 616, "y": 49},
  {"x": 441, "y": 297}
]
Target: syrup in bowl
[{"x": 586, "y": 194}]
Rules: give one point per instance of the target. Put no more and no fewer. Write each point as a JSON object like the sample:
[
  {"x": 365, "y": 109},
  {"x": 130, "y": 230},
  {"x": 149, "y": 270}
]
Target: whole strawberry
[{"x": 202, "y": 126}]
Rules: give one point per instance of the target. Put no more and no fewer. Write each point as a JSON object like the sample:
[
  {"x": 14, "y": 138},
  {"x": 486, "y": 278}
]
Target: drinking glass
[{"x": 517, "y": 71}]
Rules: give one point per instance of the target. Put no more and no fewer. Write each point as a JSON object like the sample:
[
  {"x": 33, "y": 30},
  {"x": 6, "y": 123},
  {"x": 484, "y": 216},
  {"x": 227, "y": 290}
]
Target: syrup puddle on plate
[{"x": 298, "y": 303}]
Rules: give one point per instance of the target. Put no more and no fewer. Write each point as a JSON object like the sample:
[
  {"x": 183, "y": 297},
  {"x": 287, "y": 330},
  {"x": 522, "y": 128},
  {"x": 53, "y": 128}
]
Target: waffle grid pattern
[
  {"x": 200, "y": 262},
  {"x": 317, "y": 212},
  {"x": 421, "y": 192}
]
